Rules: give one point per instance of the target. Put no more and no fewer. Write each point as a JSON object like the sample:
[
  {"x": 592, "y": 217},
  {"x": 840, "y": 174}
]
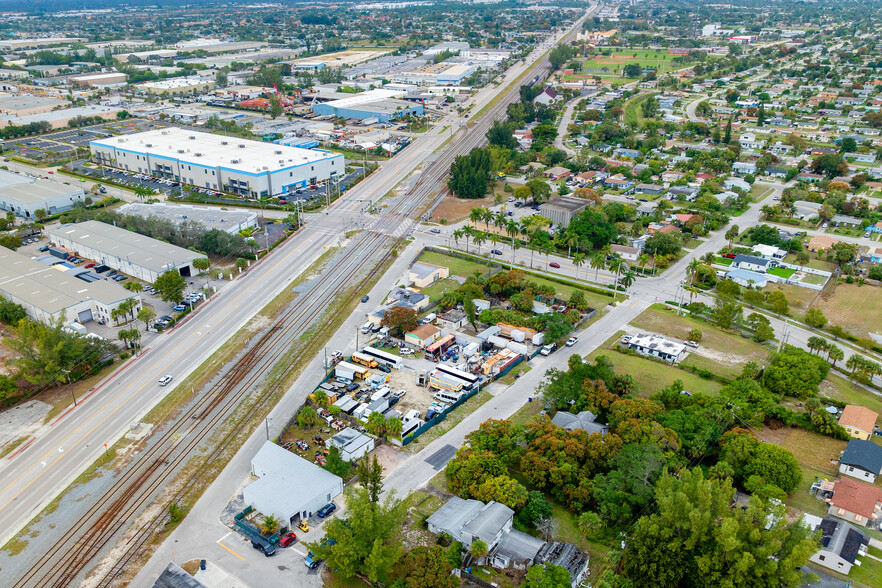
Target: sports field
[{"x": 619, "y": 58}]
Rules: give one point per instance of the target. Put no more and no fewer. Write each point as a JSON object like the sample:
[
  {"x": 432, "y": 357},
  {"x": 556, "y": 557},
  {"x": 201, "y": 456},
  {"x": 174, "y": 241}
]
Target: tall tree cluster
[{"x": 470, "y": 174}]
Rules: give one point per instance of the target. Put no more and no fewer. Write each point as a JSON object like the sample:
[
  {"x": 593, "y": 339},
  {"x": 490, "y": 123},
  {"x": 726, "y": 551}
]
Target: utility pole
[
  {"x": 72, "y": 395},
  {"x": 267, "y": 420}
]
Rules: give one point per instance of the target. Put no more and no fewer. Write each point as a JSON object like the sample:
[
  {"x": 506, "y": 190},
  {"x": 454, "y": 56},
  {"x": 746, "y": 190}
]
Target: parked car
[
  {"x": 384, "y": 368},
  {"x": 436, "y": 230},
  {"x": 626, "y": 339},
  {"x": 496, "y": 252},
  {"x": 165, "y": 380},
  {"x": 572, "y": 341},
  {"x": 554, "y": 264},
  {"x": 287, "y": 539},
  {"x": 327, "y": 510},
  {"x": 692, "y": 344},
  {"x": 179, "y": 308},
  {"x": 352, "y": 387},
  {"x": 548, "y": 349},
  {"x": 406, "y": 351},
  {"x": 399, "y": 393}
]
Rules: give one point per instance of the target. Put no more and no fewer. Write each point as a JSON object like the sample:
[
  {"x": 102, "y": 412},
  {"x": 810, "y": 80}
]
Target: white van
[{"x": 367, "y": 328}]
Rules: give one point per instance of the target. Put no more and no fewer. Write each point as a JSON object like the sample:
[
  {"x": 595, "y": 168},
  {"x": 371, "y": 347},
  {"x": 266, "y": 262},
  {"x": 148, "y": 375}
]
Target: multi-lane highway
[{"x": 64, "y": 447}]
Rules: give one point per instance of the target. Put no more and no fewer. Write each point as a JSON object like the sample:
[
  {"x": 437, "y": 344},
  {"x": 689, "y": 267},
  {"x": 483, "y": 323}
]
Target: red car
[
  {"x": 88, "y": 265},
  {"x": 313, "y": 187},
  {"x": 287, "y": 539},
  {"x": 729, "y": 255},
  {"x": 554, "y": 264}
]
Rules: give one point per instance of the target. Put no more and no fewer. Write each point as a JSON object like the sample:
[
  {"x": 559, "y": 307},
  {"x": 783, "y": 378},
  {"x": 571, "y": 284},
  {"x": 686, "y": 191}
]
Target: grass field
[
  {"x": 439, "y": 288},
  {"x": 651, "y": 376},
  {"x": 782, "y": 272},
  {"x": 633, "y": 112},
  {"x": 813, "y": 263},
  {"x": 722, "y": 353},
  {"x": 848, "y": 306},
  {"x": 466, "y": 268},
  {"x": 619, "y": 58}
]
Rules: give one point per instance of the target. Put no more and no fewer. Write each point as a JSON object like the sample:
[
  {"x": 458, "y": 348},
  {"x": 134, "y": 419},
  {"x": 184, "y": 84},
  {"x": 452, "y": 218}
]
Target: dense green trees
[
  {"x": 500, "y": 134},
  {"x": 593, "y": 227},
  {"x": 795, "y": 372},
  {"x": 470, "y": 174},
  {"x": 424, "y": 567},
  {"x": 696, "y": 539},
  {"x": 170, "y": 286}
]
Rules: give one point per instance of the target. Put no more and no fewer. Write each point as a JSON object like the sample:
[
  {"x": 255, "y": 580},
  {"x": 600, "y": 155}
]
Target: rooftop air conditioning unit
[
  {"x": 198, "y": 154},
  {"x": 234, "y": 161},
  {"x": 278, "y": 152},
  {"x": 182, "y": 151},
  {"x": 225, "y": 142},
  {"x": 241, "y": 145},
  {"x": 192, "y": 137}
]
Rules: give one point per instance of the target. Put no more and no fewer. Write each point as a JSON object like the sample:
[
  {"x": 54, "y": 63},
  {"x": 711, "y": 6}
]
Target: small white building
[
  {"x": 351, "y": 444},
  {"x": 769, "y": 252},
  {"x": 657, "y": 346},
  {"x": 749, "y": 141},
  {"x": 289, "y": 487},
  {"x": 24, "y": 195}
]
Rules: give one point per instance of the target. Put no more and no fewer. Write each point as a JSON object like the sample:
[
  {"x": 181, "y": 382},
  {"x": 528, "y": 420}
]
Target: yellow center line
[
  {"x": 231, "y": 551},
  {"x": 174, "y": 351}
]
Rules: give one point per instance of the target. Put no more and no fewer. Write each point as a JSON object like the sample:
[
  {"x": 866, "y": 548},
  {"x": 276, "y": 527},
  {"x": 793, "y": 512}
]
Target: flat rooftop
[
  {"x": 67, "y": 113},
  {"x": 369, "y": 97},
  {"x": 24, "y": 101},
  {"x": 144, "y": 251},
  {"x": 50, "y": 288},
  {"x": 565, "y": 203},
  {"x": 210, "y": 150},
  {"x": 32, "y": 190},
  {"x": 210, "y": 218},
  {"x": 176, "y": 83}
]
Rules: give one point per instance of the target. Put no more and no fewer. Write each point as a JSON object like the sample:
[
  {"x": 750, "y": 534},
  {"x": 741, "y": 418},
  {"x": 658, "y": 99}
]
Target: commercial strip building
[
  {"x": 60, "y": 118},
  {"x": 47, "y": 293},
  {"x": 25, "y": 195},
  {"x": 136, "y": 255},
  {"x": 99, "y": 79},
  {"x": 228, "y": 221},
  {"x": 240, "y": 166},
  {"x": 384, "y": 105}
]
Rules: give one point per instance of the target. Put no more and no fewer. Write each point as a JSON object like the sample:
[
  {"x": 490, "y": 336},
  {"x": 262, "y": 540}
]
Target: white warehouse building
[
  {"x": 228, "y": 164},
  {"x": 136, "y": 255},
  {"x": 25, "y": 195}
]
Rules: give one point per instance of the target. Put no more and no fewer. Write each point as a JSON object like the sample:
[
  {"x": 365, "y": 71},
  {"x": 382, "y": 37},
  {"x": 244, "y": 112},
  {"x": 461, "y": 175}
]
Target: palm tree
[
  {"x": 478, "y": 549},
  {"x": 571, "y": 240},
  {"x": 616, "y": 265},
  {"x": 835, "y": 353},
  {"x": 476, "y": 215},
  {"x": 709, "y": 257},
  {"x": 457, "y": 235},
  {"x": 514, "y": 247},
  {"x": 578, "y": 261},
  {"x": 731, "y": 234},
  {"x": 269, "y": 525},
  {"x": 479, "y": 239},
  {"x": 802, "y": 258},
  {"x": 598, "y": 262},
  {"x": 628, "y": 279},
  {"x": 642, "y": 260},
  {"x": 692, "y": 269},
  {"x": 500, "y": 220}
]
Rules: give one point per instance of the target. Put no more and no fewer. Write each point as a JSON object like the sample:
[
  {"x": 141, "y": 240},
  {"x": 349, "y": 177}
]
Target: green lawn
[
  {"x": 813, "y": 263},
  {"x": 723, "y": 261},
  {"x": 814, "y": 279},
  {"x": 652, "y": 376},
  {"x": 439, "y": 288},
  {"x": 633, "y": 112},
  {"x": 457, "y": 266},
  {"x": 838, "y": 388},
  {"x": 782, "y": 272}
]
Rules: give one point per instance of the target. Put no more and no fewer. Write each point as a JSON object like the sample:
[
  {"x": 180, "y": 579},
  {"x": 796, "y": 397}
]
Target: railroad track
[{"x": 156, "y": 466}]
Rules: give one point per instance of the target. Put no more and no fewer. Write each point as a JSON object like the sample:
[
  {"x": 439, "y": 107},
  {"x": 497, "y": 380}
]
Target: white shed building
[{"x": 290, "y": 488}]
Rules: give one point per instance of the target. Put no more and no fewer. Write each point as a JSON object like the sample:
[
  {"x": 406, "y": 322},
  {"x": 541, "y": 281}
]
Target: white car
[
  {"x": 692, "y": 344},
  {"x": 399, "y": 393},
  {"x": 406, "y": 351},
  {"x": 165, "y": 380},
  {"x": 572, "y": 341}
]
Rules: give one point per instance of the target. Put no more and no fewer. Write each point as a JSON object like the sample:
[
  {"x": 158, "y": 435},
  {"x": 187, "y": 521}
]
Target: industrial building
[
  {"x": 48, "y": 292},
  {"x": 60, "y": 118},
  {"x": 384, "y": 105},
  {"x": 244, "y": 167},
  {"x": 289, "y": 487},
  {"x": 562, "y": 210},
  {"x": 178, "y": 86},
  {"x": 16, "y": 44},
  {"x": 98, "y": 79},
  {"x": 26, "y": 104},
  {"x": 136, "y": 255},
  {"x": 25, "y": 195},
  {"x": 228, "y": 221}
]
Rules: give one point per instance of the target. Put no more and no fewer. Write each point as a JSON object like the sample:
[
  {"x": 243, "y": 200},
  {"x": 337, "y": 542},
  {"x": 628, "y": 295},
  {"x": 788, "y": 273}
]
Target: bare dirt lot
[
  {"x": 417, "y": 397},
  {"x": 852, "y": 307},
  {"x": 455, "y": 209}
]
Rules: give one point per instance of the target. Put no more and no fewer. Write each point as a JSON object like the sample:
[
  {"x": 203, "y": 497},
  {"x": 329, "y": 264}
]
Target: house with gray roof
[
  {"x": 862, "y": 460},
  {"x": 753, "y": 263},
  {"x": 353, "y": 444},
  {"x": 583, "y": 421},
  {"x": 841, "y": 544}
]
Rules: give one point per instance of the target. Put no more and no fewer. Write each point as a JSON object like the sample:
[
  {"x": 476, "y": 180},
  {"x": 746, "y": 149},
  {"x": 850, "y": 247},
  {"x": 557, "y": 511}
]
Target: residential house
[
  {"x": 841, "y": 220},
  {"x": 617, "y": 181},
  {"x": 854, "y": 501},
  {"x": 748, "y": 278},
  {"x": 423, "y": 274},
  {"x": 732, "y": 183},
  {"x": 422, "y": 336},
  {"x": 861, "y": 157},
  {"x": 585, "y": 178},
  {"x": 452, "y": 320},
  {"x": 749, "y": 141},
  {"x": 810, "y": 178},
  {"x": 671, "y": 176},
  {"x": 858, "y": 421},
  {"x": 875, "y": 255},
  {"x": 351, "y": 443},
  {"x": 662, "y": 227},
  {"x": 657, "y": 346},
  {"x": 546, "y": 97},
  {"x": 408, "y": 299},
  {"x": 769, "y": 252},
  {"x": 468, "y": 520},
  {"x": 556, "y": 173},
  {"x": 841, "y": 544},
  {"x": 776, "y": 172},
  {"x": 862, "y": 459},
  {"x": 651, "y": 189},
  {"x": 625, "y": 252},
  {"x": 820, "y": 243},
  {"x": 688, "y": 193},
  {"x": 806, "y": 209},
  {"x": 779, "y": 148},
  {"x": 583, "y": 421},
  {"x": 647, "y": 208},
  {"x": 623, "y": 152},
  {"x": 744, "y": 167}
]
